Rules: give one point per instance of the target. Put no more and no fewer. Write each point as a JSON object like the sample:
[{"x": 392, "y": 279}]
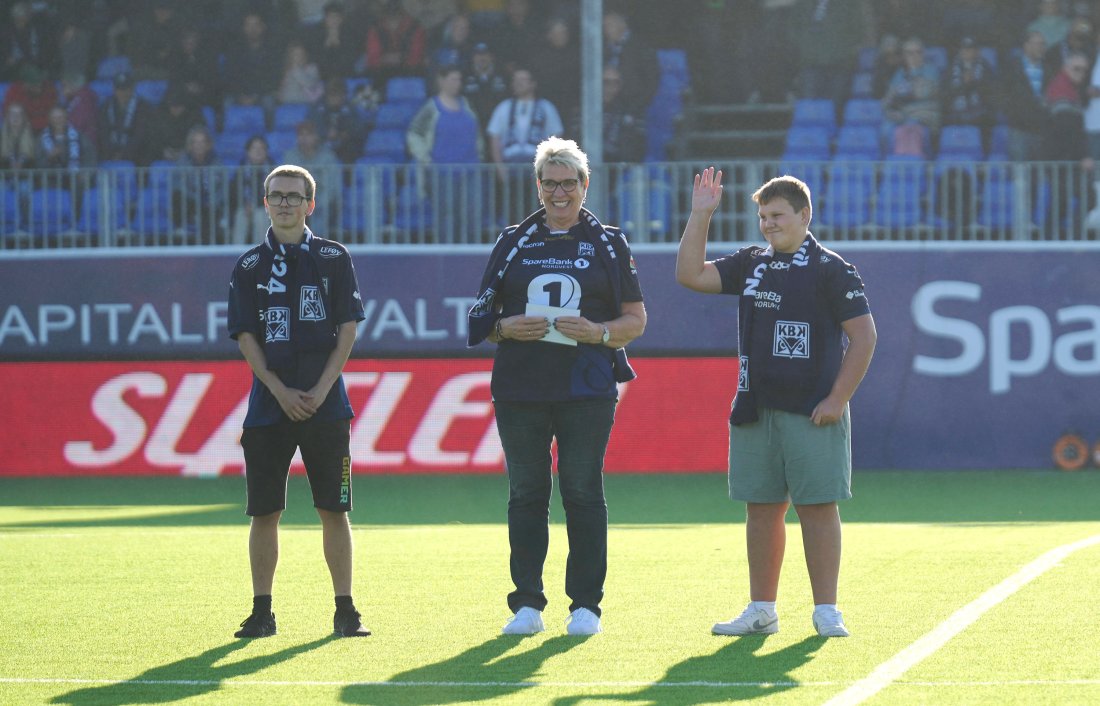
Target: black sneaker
[
  {"x": 257, "y": 625},
  {"x": 346, "y": 623}
]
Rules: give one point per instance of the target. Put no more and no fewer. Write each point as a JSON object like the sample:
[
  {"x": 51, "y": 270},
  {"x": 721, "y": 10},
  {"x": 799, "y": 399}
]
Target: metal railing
[{"x": 119, "y": 205}]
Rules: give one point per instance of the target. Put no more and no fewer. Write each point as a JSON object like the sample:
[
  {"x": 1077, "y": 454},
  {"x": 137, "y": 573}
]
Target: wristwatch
[{"x": 606, "y": 335}]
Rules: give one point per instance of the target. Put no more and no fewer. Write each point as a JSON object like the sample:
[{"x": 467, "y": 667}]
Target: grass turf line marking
[{"x": 891, "y": 670}]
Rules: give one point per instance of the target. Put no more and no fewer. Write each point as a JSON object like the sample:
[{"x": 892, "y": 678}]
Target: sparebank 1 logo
[{"x": 555, "y": 289}]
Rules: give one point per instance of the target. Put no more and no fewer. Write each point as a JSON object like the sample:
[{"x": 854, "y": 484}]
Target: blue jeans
[{"x": 582, "y": 429}]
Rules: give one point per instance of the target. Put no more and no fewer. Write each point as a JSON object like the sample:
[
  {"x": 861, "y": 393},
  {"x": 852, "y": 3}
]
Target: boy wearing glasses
[{"x": 293, "y": 308}]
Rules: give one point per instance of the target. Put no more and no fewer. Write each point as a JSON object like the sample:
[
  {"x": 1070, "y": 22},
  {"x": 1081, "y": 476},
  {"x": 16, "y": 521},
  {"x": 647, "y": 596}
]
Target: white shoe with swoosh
[{"x": 753, "y": 621}]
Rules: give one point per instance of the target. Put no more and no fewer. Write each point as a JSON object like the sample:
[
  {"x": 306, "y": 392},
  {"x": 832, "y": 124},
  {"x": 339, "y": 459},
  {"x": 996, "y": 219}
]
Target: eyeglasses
[
  {"x": 275, "y": 199},
  {"x": 550, "y": 186}
]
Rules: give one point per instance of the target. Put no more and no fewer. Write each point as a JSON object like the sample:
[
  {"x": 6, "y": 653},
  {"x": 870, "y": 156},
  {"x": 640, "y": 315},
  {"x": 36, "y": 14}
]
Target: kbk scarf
[
  {"x": 797, "y": 305},
  {"x": 290, "y": 301},
  {"x": 610, "y": 247},
  {"x": 72, "y": 143}
]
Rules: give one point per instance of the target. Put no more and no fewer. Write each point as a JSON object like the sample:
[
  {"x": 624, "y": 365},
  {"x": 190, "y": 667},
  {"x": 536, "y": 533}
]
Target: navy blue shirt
[
  {"x": 785, "y": 336},
  {"x": 340, "y": 303},
  {"x": 562, "y": 270}
]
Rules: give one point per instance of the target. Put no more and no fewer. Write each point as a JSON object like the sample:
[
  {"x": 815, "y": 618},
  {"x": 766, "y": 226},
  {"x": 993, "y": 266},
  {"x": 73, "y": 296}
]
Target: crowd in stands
[{"x": 329, "y": 83}]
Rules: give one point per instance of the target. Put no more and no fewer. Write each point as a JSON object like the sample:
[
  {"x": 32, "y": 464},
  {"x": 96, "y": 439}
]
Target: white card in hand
[{"x": 552, "y": 313}]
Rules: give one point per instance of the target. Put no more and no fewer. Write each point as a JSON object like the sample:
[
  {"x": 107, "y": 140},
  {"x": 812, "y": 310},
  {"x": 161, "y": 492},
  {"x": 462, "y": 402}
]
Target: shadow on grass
[
  {"x": 185, "y": 678},
  {"x": 880, "y": 496},
  {"x": 733, "y": 673},
  {"x": 478, "y": 673}
]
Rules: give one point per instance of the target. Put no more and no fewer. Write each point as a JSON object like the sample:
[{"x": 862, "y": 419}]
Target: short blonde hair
[
  {"x": 793, "y": 190},
  {"x": 565, "y": 153},
  {"x": 293, "y": 170}
]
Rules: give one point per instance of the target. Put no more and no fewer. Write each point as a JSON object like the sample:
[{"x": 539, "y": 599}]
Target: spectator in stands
[
  {"x": 342, "y": 125},
  {"x": 396, "y": 45},
  {"x": 332, "y": 43},
  {"x": 446, "y": 130},
  {"x": 544, "y": 390},
  {"x": 176, "y": 115},
  {"x": 194, "y": 67},
  {"x": 1052, "y": 22},
  {"x": 512, "y": 40},
  {"x": 455, "y": 45},
  {"x": 635, "y": 60},
  {"x": 199, "y": 193},
  {"x": 246, "y": 191},
  {"x": 557, "y": 64},
  {"x": 301, "y": 78},
  {"x": 829, "y": 35},
  {"x": 520, "y": 123},
  {"x": 62, "y": 146},
  {"x": 74, "y": 48},
  {"x": 126, "y": 124},
  {"x": 624, "y": 137},
  {"x": 1092, "y": 113},
  {"x": 251, "y": 74},
  {"x": 35, "y": 93},
  {"x": 313, "y": 154},
  {"x": 82, "y": 105},
  {"x": 154, "y": 31},
  {"x": 911, "y": 105},
  {"x": 1066, "y": 141},
  {"x": 969, "y": 90},
  {"x": 25, "y": 41},
  {"x": 17, "y": 143},
  {"x": 432, "y": 14},
  {"x": 1022, "y": 99},
  {"x": 1079, "y": 40},
  {"x": 888, "y": 62},
  {"x": 790, "y": 427},
  {"x": 485, "y": 87}
]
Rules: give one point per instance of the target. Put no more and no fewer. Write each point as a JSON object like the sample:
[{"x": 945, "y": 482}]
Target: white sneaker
[
  {"x": 829, "y": 623},
  {"x": 753, "y": 621},
  {"x": 583, "y": 622},
  {"x": 526, "y": 621}
]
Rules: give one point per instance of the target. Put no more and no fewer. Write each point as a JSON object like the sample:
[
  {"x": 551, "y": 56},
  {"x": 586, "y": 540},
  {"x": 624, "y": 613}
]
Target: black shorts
[{"x": 326, "y": 452}]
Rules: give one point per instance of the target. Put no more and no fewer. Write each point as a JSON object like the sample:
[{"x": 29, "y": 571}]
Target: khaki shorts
[{"x": 784, "y": 457}]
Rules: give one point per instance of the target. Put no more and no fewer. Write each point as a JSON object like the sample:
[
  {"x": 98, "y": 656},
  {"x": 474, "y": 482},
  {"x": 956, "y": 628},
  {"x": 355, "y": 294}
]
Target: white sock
[
  {"x": 766, "y": 605},
  {"x": 824, "y": 606}
]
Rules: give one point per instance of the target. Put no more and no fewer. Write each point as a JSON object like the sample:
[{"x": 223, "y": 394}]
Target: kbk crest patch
[
  {"x": 585, "y": 249},
  {"x": 312, "y": 306},
  {"x": 277, "y": 324},
  {"x": 792, "y": 339}
]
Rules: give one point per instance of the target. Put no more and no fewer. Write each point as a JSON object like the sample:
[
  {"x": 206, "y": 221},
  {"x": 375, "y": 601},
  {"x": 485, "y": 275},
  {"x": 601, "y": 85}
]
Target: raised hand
[{"x": 707, "y": 192}]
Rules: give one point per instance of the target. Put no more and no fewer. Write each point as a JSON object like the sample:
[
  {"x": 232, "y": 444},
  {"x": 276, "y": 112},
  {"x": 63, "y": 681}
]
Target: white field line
[
  {"x": 891, "y": 670},
  {"x": 530, "y": 684}
]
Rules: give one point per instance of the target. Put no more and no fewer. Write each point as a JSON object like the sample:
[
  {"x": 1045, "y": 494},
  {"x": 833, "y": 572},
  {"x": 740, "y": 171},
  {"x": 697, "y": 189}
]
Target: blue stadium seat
[
  {"x": 103, "y": 88},
  {"x": 406, "y": 89},
  {"x": 951, "y": 198},
  {"x": 211, "y": 118},
  {"x": 811, "y": 173},
  {"x": 152, "y": 91},
  {"x": 229, "y": 145},
  {"x": 88, "y": 222},
  {"x": 51, "y": 211},
  {"x": 411, "y": 212},
  {"x": 807, "y": 144},
  {"x": 815, "y": 112},
  {"x": 153, "y": 214},
  {"x": 998, "y": 200},
  {"x": 673, "y": 65},
  {"x": 288, "y": 115},
  {"x": 990, "y": 55},
  {"x": 998, "y": 143},
  {"x": 395, "y": 115},
  {"x": 863, "y": 111},
  {"x": 936, "y": 56},
  {"x": 849, "y": 188},
  {"x": 386, "y": 142},
  {"x": 3, "y": 90},
  {"x": 111, "y": 65},
  {"x": 11, "y": 212},
  {"x": 279, "y": 141},
  {"x": 244, "y": 118},
  {"x": 901, "y": 193},
  {"x": 863, "y": 85},
  {"x": 961, "y": 142},
  {"x": 858, "y": 142},
  {"x": 867, "y": 58}
]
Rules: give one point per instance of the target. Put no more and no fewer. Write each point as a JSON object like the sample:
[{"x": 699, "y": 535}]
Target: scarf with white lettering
[
  {"x": 797, "y": 305},
  {"x": 610, "y": 247},
  {"x": 290, "y": 301},
  {"x": 72, "y": 141}
]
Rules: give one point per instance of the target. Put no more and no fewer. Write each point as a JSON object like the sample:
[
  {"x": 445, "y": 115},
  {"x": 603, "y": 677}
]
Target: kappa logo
[
  {"x": 312, "y": 306},
  {"x": 743, "y": 374},
  {"x": 277, "y": 324},
  {"x": 581, "y": 264},
  {"x": 792, "y": 339},
  {"x": 586, "y": 250},
  {"x": 330, "y": 251},
  {"x": 249, "y": 262}
]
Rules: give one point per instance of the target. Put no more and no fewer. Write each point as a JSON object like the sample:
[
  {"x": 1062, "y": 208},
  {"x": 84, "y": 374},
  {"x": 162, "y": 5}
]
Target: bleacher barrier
[{"x": 377, "y": 202}]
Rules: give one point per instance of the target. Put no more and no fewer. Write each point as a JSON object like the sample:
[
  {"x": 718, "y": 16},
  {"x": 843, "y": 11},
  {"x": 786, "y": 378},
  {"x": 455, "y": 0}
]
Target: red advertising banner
[{"x": 412, "y": 416}]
